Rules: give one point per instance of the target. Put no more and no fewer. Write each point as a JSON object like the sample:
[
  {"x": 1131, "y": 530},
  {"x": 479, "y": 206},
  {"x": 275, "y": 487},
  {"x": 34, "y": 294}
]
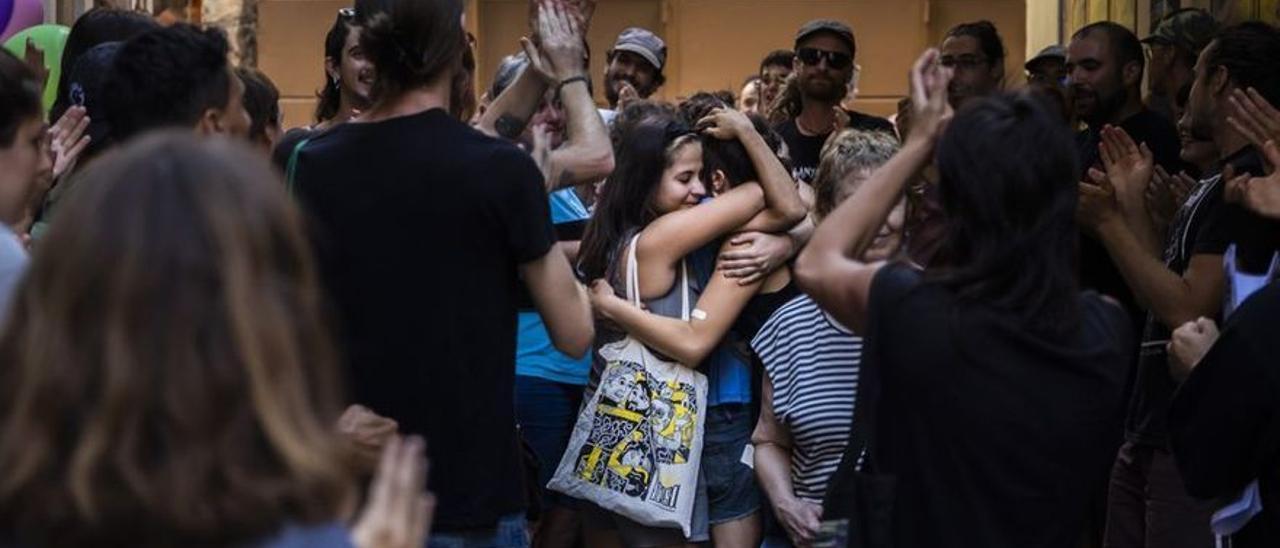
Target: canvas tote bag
[{"x": 637, "y": 445}]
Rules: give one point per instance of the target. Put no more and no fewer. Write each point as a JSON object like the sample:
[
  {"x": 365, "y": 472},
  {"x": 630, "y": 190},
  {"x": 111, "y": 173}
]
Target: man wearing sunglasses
[{"x": 823, "y": 67}]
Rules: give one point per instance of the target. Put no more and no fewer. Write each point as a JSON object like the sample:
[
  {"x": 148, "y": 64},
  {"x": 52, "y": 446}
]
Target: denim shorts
[
  {"x": 546, "y": 411},
  {"x": 732, "y": 492}
]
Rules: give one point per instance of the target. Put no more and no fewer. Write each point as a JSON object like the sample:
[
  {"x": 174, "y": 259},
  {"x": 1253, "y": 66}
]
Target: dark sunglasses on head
[
  {"x": 835, "y": 59},
  {"x": 347, "y": 13}
]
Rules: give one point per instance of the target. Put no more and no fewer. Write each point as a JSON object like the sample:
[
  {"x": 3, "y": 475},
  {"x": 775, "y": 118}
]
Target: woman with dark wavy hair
[
  {"x": 348, "y": 83},
  {"x": 987, "y": 375},
  {"x": 166, "y": 377}
]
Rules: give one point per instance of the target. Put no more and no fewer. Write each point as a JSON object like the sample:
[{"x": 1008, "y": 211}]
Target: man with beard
[
  {"x": 1148, "y": 503},
  {"x": 1105, "y": 63},
  {"x": 823, "y": 66},
  {"x": 633, "y": 69},
  {"x": 1174, "y": 47},
  {"x": 975, "y": 53}
]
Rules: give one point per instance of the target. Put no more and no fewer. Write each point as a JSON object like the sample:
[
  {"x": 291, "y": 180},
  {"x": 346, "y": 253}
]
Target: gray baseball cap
[
  {"x": 1052, "y": 52},
  {"x": 644, "y": 43},
  {"x": 827, "y": 25}
]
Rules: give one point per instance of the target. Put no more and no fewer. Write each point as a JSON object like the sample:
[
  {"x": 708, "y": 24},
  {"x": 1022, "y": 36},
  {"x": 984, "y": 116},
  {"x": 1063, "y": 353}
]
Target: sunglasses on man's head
[
  {"x": 347, "y": 13},
  {"x": 835, "y": 59}
]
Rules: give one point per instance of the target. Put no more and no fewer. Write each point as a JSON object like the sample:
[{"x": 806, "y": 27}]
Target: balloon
[
  {"x": 25, "y": 14},
  {"x": 6, "y": 12},
  {"x": 47, "y": 38}
]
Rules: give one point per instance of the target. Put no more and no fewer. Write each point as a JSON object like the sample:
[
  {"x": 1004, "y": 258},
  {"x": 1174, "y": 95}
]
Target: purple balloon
[
  {"x": 26, "y": 14},
  {"x": 6, "y": 13}
]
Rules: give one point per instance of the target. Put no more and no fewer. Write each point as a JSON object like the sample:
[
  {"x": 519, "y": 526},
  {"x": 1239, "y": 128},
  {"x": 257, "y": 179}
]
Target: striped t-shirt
[{"x": 813, "y": 365}]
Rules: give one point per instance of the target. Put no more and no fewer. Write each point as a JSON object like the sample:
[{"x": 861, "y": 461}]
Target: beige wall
[{"x": 713, "y": 44}]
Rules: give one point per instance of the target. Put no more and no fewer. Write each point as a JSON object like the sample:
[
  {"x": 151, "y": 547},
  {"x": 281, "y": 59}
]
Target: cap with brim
[
  {"x": 644, "y": 43},
  {"x": 837, "y": 28},
  {"x": 1051, "y": 53},
  {"x": 1190, "y": 29}
]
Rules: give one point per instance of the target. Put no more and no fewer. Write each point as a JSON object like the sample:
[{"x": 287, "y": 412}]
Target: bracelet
[{"x": 579, "y": 78}]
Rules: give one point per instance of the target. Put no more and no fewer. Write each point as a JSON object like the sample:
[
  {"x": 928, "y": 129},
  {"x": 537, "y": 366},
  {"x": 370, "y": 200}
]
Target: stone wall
[{"x": 239, "y": 18}]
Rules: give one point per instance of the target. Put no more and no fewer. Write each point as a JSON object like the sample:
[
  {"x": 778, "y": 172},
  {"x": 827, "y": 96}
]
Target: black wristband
[{"x": 580, "y": 78}]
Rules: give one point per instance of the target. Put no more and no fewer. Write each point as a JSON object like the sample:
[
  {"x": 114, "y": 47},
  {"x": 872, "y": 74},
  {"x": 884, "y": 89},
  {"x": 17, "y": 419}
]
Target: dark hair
[
  {"x": 97, "y": 26},
  {"x": 508, "y": 70},
  {"x": 1124, "y": 43},
  {"x": 987, "y": 36},
  {"x": 729, "y": 157},
  {"x": 410, "y": 42},
  {"x": 626, "y": 200},
  {"x": 168, "y": 378},
  {"x": 778, "y": 57},
  {"x": 1249, "y": 52},
  {"x": 636, "y": 112},
  {"x": 329, "y": 98},
  {"x": 1007, "y": 185},
  {"x": 19, "y": 96},
  {"x": 167, "y": 77},
  {"x": 261, "y": 101}
]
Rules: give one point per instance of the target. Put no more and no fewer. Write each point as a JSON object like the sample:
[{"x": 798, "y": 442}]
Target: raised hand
[
  {"x": 67, "y": 139},
  {"x": 399, "y": 511},
  {"x": 1254, "y": 117},
  {"x": 1259, "y": 194},
  {"x": 1097, "y": 201},
  {"x": 560, "y": 39},
  {"x": 726, "y": 124},
  {"x": 1129, "y": 166},
  {"x": 930, "y": 110}
]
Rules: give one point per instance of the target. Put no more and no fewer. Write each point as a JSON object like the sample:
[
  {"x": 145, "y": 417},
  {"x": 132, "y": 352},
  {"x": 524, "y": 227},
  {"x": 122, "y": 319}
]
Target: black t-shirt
[
  {"x": 421, "y": 224},
  {"x": 1097, "y": 270},
  {"x": 806, "y": 151},
  {"x": 997, "y": 435},
  {"x": 1199, "y": 228},
  {"x": 288, "y": 143},
  {"x": 1224, "y": 421}
]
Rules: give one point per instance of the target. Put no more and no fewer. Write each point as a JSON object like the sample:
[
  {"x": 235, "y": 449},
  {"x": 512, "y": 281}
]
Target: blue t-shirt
[
  {"x": 728, "y": 375},
  {"x": 535, "y": 355}
]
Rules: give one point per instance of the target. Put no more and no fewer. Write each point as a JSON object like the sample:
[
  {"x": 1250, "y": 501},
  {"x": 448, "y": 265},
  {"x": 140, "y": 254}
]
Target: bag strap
[
  {"x": 633, "y": 277},
  {"x": 291, "y": 171},
  {"x": 633, "y": 280}
]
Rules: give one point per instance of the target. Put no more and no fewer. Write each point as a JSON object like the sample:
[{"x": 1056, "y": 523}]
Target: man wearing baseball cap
[
  {"x": 1174, "y": 46},
  {"x": 1049, "y": 67},
  {"x": 633, "y": 68},
  {"x": 823, "y": 67}
]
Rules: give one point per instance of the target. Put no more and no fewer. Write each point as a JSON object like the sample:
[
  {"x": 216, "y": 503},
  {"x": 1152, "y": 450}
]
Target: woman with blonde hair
[{"x": 166, "y": 379}]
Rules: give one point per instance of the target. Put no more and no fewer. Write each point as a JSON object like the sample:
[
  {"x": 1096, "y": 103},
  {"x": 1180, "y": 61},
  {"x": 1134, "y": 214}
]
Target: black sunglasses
[
  {"x": 347, "y": 13},
  {"x": 835, "y": 59}
]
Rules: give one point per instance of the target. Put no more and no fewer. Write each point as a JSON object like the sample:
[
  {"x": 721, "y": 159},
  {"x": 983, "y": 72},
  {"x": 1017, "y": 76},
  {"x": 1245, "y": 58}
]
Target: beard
[
  {"x": 614, "y": 83},
  {"x": 822, "y": 88},
  {"x": 1104, "y": 106}
]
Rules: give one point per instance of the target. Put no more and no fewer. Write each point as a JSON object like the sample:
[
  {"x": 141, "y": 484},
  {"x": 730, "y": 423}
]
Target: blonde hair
[
  {"x": 166, "y": 376},
  {"x": 846, "y": 154}
]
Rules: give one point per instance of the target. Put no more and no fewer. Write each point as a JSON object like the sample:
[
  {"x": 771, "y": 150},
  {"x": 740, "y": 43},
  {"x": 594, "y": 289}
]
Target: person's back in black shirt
[
  {"x": 421, "y": 224},
  {"x": 806, "y": 150},
  {"x": 1224, "y": 422},
  {"x": 997, "y": 435}
]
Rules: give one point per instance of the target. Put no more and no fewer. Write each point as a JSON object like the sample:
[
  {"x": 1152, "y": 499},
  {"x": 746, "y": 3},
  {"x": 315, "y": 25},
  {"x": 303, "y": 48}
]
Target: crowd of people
[{"x": 1006, "y": 316}]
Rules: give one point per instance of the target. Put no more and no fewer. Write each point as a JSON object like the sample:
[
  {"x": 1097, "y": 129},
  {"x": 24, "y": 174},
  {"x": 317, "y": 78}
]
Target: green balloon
[{"x": 47, "y": 38}]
